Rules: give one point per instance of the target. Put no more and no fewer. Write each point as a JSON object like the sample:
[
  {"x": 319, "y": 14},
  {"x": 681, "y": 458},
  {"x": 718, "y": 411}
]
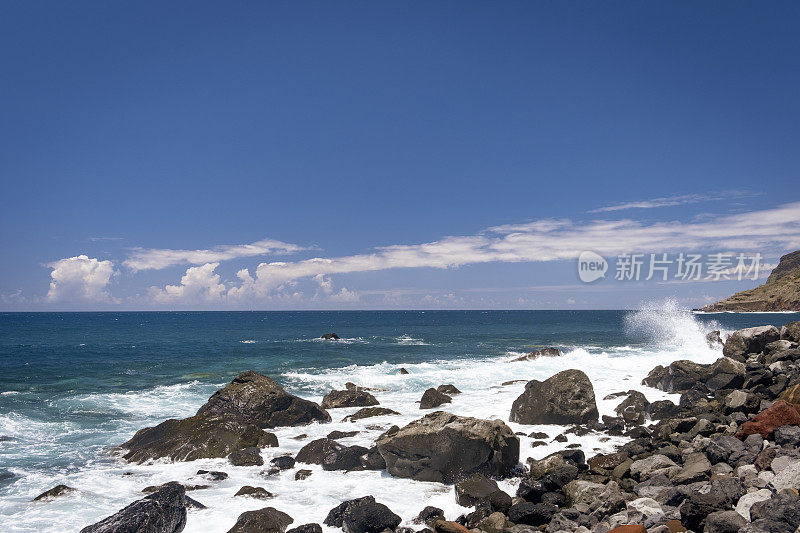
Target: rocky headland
[
  {"x": 781, "y": 291},
  {"x": 724, "y": 459}
]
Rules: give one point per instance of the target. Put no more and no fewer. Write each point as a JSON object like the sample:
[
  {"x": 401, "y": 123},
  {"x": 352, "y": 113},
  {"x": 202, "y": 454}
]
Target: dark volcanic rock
[
  {"x": 749, "y": 340},
  {"x": 266, "y": 520},
  {"x": 536, "y": 354},
  {"x": 306, "y": 528},
  {"x": 779, "y": 513},
  {"x": 474, "y": 489},
  {"x": 565, "y": 398},
  {"x": 448, "y": 389},
  {"x": 313, "y": 452},
  {"x": 362, "y": 515},
  {"x": 232, "y": 419},
  {"x": 55, "y": 492},
  {"x": 161, "y": 512},
  {"x": 369, "y": 412},
  {"x": 532, "y": 514},
  {"x": 343, "y": 457},
  {"x": 446, "y": 448},
  {"x": 330, "y": 337},
  {"x": 433, "y": 398},
  {"x": 254, "y": 492},
  {"x": 283, "y": 462},
  {"x": 696, "y": 508},
  {"x": 213, "y": 475},
  {"x": 246, "y": 457},
  {"x": 348, "y": 398}
]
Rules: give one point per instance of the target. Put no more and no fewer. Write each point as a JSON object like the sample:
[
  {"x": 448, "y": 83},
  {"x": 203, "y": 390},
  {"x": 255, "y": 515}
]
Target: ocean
[{"x": 74, "y": 385}]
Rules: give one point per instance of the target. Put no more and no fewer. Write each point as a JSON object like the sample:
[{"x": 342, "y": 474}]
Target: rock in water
[
  {"x": 266, "y": 520},
  {"x": 565, "y": 398},
  {"x": 58, "y": 490},
  {"x": 447, "y": 448},
  {"x": 348, "y": 398},
  {"x": 330, "y": 337},
  {"x": 536, "y": 354},
  {"x": 368, "y": 412},
  {"x": 231, "y": 420},
  {"x": 161, "y": 512},
  {"x": 433, "y": 398},
  {"x": 362, "y": 515},
  {"x": 448, "y": 389}
]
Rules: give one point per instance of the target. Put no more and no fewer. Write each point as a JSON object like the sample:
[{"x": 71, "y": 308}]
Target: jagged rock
[
  {"x": 474, "y": 489},
  {"x": 369, "y": 412},
  {"x": 791, "y": 331},
  {"x": 232, "y": 419},
  {"x": 433, "y": 398},
  {"x": 259, "y": 493},
  {"x": 748, "y": 500},
  {"x": 213, "y": 475},
  {"x": 446, "y": 448},
  {"x": 55, "y": 492},
  {"x": 403, "y": 371},
  {"x": 633, "y": 408},
  {"x": 750, "y": 340},
  {"x": 429, "y": 515},
  {"x": 536, "y": 354},
  {"x": 246, "y": 457},
  {"x": 162, "y": 512},
  {"x": 266, "y": 520},
  {"x": 362, "y": 515},
  {"x": 343, "y": 457},
  {"x": 565, "y": 398},
  {"x": 714, "y": 339},
  {"x": 348, "y": 398},
  {"x": 722, "y": 447},
  {"x": 779, "y": 513}
]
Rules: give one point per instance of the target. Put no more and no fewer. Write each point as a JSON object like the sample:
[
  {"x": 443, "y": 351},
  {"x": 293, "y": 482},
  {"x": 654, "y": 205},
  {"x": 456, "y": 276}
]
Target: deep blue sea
[{"x": 73, "y": 385}]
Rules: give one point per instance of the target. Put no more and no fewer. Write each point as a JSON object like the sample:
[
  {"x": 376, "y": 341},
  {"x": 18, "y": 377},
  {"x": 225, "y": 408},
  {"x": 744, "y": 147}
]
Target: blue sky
[{"x": 132, "y": 133}]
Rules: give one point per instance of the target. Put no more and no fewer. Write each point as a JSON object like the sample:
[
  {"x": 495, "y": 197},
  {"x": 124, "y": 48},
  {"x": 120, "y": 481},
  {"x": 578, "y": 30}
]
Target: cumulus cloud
[
  {"x": 160, "y": 258},
  {"x": 200, "y": 284},
  {"x": 79, "y": 278}
]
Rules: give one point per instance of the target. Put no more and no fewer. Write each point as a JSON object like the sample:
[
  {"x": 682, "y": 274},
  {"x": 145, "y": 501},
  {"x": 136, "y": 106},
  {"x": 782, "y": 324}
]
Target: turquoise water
[{"x": 74, "y": 384}]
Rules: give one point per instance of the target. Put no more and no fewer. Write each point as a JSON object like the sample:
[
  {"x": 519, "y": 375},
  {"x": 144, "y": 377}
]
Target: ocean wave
[
  {"x": 248, "y": 341},
  {"x": 407, "y": 340}
]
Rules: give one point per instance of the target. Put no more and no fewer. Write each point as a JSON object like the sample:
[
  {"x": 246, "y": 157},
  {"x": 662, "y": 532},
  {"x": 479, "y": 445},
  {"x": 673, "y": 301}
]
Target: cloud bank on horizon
[{"x": 87, "y": 279}]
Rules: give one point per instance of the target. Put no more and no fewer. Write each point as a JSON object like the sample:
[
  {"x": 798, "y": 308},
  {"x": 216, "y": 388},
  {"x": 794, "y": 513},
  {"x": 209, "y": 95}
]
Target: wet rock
[
  {"x": 369, "y": 412},
  {"x": 662, "y": 409},
  {"x": 213, "y": 475},
  {"x": 536, "y": 354},
  {"x": 765, "y": 423},
  {"x": 266, "y": 520},
  {"x": 446, "y": 448},
  {"x": 246, "y": 457},
  {"x": 532, "y": 514},
  {"x": 55, "y": 492},
  {"x": 232, "y": 419},
  {"x": 330, "y": 337},
  {"x": 429, "y": 515},
  {"x": 403, "y": 371},
  {"x": 162, "y": 512},
  {"x": 448, "y": 389},
  {"x": 302, "y": 474},
  {"x": 432, "y": 398},
  {"x": 679, "y": 376},
  {"x": 474, "y": 489},
  {"x": 283, "y": 462},
  {"x": 334, "y": 435},
  {"x": 714, "y": 339},
  {"x": 565, "y": 398},
  {"x": 362, "y": 515},
  {"x": 348, "y": 398},
  {"x": 313, "y": 452},
  {"x": 259, "y": 493},
  {"x": 343, "y": 458},
  {"x": 306, "y": 528}
]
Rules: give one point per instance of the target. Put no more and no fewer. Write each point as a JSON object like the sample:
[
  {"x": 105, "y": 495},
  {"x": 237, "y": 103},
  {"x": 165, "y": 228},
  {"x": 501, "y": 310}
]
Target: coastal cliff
[{"x": 781, "y": 292}]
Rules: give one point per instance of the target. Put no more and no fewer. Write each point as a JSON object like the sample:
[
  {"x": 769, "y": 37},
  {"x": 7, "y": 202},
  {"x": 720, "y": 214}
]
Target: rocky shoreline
[{"x": 725, "y": 458}]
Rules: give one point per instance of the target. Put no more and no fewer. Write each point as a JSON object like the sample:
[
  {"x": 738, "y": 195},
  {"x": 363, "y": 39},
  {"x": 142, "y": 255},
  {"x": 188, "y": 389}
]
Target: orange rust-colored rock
[
  {"x": 675, "y": 526},
  {"x": 445, "y": 526},
  {"x": 764, "y": 423}
]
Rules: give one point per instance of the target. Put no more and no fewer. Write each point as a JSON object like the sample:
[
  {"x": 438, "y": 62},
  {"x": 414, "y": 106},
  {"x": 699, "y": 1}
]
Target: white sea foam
[
  {"x": 659, "y": 335},
  {"x": 407, "y": 340},
  {"x": 248, "y": 341}
]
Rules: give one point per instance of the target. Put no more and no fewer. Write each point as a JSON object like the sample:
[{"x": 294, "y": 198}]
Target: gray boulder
[
  {"x": 447, "y": 448},
  {"x": 565, "y": 398},
  {"x": 791, "y": 331},
  {"x": 164, "y": 511},
  {"x": 433, "y": 398},
  {"x": 474, "y": 489},
  {"x": 749, "y": 340}
]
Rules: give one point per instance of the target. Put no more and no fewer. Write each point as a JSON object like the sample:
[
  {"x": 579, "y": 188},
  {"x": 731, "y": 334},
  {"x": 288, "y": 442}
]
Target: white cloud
[
  {"x": 668, "y": 201},
  {"x": 79, "y": 277},
  {"x": 553, "y": 240},
  {"x": 157, "y": 259},
  {"x": 200, "y": 284}
]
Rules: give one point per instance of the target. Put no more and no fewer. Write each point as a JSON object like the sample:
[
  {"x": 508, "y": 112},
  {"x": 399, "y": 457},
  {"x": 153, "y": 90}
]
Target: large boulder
[
  {"x": 362, "y": 515},
  {"x": 163, "y": 511},
  {"x": 433, "y": 398},
  {"x": 348, "y": 398},
  {"x": 447, "y": 448},
  {"x": 791, "y": 331},
  {"x": 685, "y": 375},
  {"x": 233, "y": 418},
  {"x": 266, "y": 520},
  {"x": 749, "y": 340},
  {"x": 767, "y": 421},
  {"x": 565, "y": 398}
]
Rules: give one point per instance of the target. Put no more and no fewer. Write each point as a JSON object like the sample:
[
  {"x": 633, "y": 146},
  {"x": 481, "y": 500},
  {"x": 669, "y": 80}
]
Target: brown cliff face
[{"x": 781, "y": 292}]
